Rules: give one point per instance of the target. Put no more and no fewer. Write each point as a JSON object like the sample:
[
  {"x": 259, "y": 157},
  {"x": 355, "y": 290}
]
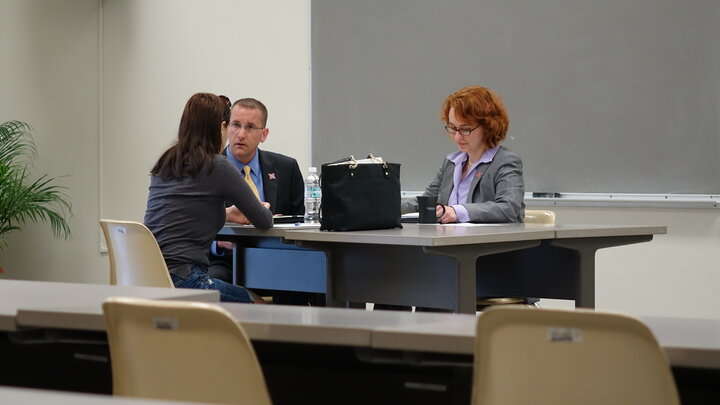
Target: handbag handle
[
  {"x": 377, "y": 160},
  {"x": 354, "y": 165}
]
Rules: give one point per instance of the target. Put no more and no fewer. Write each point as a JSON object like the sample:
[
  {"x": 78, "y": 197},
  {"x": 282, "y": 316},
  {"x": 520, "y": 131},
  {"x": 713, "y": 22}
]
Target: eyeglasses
[
  {"x": 462, "y": 131},
  {"x": 248, "y": 127}
]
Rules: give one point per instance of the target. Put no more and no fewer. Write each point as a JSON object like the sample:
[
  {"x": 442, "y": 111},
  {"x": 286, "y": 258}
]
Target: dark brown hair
[
  {"x": 199, "y": 138},
  {"x": 480, "y": 106}
]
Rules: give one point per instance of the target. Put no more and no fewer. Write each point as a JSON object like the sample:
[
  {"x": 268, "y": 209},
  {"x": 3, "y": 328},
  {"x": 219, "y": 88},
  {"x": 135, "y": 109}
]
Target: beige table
[
  {"x": 64, "y": 359},
  {"x": 687, "y": 342},
  {"x": 47, "y": 397},
  {"x": 317, "y": 355},
  {"x": 19, "y": 294},
  {"x": 447, "y": 266}
]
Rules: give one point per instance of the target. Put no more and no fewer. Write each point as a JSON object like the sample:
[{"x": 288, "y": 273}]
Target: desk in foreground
[
  {"x": 19, "y": 294},
  {"x": 327, "y": 355},
  {"x": 65, "y": 359},
  {"x": 45, "y": 397},
  {"x": 686, "y": 342}
]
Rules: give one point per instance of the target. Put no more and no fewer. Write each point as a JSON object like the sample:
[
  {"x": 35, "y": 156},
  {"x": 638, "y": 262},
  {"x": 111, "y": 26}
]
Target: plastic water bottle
[{"x": 312, "y": 196}]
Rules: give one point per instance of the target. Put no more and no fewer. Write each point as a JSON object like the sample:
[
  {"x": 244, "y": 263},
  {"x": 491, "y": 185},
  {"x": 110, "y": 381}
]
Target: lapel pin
[{"x": 271, "y": 176}]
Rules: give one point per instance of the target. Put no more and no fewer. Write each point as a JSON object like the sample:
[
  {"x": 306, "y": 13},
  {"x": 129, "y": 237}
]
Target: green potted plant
[{"x": 21, "y": 198}]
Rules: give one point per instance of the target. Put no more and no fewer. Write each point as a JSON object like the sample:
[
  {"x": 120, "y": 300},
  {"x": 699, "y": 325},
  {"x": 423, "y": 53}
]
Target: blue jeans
[{"x": 198, "y": 278}]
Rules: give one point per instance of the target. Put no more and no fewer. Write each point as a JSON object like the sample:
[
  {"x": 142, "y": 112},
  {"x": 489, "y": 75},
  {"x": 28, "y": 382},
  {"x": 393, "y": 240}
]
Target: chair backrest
[
  {"x": 539, "y": 356},
  {"x": 183, "y": 351},
  {"x": 135, "y": 257},
  {"x": 539, "y": 217}
]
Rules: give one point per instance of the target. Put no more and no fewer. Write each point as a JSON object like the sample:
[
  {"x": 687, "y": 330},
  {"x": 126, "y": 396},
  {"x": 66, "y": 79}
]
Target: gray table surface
[
  {"x": 444, "y": 235},
  {"x": 20, "y": 294},
  {"x": 686, "y": 342},
  {"x": 443, "y": 255},
  {"x": 45, "y": 397}
]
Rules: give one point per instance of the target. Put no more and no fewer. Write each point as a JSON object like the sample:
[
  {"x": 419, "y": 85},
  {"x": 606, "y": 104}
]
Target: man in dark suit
[{"x": 274, "y": 178}]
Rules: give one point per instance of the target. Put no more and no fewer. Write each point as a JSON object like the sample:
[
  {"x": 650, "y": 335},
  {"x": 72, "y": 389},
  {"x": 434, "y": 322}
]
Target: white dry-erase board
[{"x": 613, "y": 96}]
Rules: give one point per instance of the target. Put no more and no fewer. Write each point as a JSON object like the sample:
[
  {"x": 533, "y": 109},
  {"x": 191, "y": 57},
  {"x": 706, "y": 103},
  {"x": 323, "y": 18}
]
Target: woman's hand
[
  {"x": 233, "y": 214},
  {"x": 449, "y": 217}
]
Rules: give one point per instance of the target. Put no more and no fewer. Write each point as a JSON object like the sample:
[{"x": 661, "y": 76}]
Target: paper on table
[
  {"x": 297, "y": 225},
  {"x": 471, "y": 224},
  {"x": 416, "y": 215}
]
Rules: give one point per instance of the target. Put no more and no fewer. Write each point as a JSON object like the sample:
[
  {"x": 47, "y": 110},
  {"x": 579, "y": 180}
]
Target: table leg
[
  {"x": 330, "y": 300},
  {"x": 406, "y": 275},
  {"x": 585, "y": 249},
  {"x": 235, "y": 263},
  {"x": 465, "y": 258}
]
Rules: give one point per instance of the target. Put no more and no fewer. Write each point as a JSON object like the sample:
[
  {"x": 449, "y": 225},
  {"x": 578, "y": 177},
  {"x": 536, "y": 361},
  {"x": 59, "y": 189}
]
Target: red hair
[{"x": 478, "y": 105}]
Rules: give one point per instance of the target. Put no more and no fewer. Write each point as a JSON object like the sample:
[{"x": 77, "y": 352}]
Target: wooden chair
[
  {"x": 135, "y": 257},
  {"x": 183, "y": 351},
  {"x": 531, "y": 217},
  {"x": 538, "y": 356}
]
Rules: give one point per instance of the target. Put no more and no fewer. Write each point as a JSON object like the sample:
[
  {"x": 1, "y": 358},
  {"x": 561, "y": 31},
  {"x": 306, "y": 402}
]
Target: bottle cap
[{"x": 312, "y": 169}]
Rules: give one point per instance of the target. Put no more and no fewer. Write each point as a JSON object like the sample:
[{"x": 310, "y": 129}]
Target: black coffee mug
[{"x": 427, "y": 208}]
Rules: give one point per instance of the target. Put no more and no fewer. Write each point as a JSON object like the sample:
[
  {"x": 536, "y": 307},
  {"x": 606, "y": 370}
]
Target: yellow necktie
[{"x": 250, "y": 183}]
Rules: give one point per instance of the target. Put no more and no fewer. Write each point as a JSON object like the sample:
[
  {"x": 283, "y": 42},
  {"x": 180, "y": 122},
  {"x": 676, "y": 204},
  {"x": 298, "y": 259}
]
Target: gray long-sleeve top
[{"x": 185, "y": 215}]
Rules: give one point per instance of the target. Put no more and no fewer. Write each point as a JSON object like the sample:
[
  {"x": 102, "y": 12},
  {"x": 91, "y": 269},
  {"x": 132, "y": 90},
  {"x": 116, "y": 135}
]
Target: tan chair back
[
  {"x": 135, "y": 257},
  {"x": 539, "y": 356},
  {"x": 539, "y": 217},
  {"x": 183, "y": 351}
]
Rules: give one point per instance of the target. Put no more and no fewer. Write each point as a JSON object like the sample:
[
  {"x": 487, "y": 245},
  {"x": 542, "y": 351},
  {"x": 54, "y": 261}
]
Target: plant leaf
[{"x": 22, "y": 200}]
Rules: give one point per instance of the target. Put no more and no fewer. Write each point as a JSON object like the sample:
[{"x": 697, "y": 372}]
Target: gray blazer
[{"x": 497, "y": 195}]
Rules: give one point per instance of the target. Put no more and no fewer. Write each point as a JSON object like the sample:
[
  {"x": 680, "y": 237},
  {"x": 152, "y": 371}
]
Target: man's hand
[{"x": 225, "y": 245}]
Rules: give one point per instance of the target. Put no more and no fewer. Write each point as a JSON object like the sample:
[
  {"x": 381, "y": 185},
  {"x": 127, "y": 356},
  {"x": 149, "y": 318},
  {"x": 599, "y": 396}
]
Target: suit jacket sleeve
[
  {"x": 297, "y": 193},
  {"x": 283, "y": 183},
  {"x": 433, "y": 189},
  {"x": 499, "y": 196}
]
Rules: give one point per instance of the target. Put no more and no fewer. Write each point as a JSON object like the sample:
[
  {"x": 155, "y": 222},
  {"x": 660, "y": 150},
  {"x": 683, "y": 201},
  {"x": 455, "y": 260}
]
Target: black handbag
[{"x": 359, "y": 194}]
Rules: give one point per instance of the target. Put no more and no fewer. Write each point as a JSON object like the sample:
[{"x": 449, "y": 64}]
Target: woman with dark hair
[
  {"x": 189, "y": 186},
  {"x": 482, "y": 181}
]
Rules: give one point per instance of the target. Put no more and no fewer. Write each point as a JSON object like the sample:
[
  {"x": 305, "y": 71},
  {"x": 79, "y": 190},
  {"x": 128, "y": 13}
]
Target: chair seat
[{"x": 486, "y": 302}]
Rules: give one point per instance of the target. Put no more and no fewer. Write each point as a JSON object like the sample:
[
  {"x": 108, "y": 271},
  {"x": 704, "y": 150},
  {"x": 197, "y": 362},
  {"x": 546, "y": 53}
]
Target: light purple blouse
[{"x": 461, "y": 187}]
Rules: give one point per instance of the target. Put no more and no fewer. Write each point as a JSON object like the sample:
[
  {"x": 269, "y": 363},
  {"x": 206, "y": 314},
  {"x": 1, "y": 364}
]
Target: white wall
[
  {"x": 672, "y": 275},
  {"x": 49, "y": 77},
  {"x": 155, "y": 54},
  {"x": 104, "y": 84}
]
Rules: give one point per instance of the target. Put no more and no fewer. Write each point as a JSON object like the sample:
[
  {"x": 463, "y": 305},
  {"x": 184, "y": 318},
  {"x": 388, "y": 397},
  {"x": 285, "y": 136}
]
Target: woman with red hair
[{"x": 483, "y": 181}]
